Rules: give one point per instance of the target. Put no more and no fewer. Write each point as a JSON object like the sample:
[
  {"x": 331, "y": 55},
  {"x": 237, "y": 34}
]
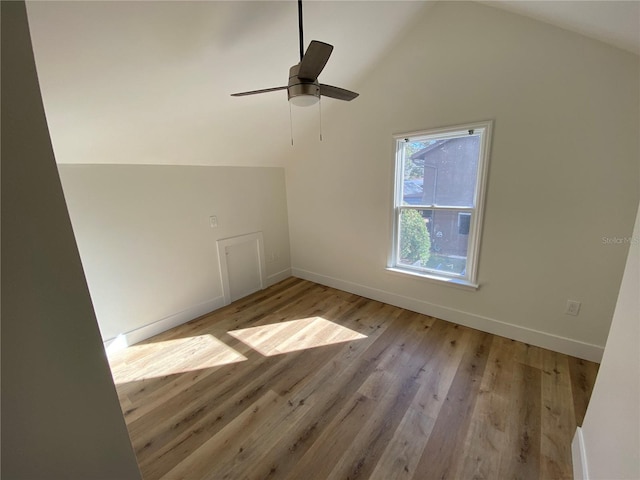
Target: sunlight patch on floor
[
  {"x": 294, "y": 335},
  {"x": 160, "y": 359}
]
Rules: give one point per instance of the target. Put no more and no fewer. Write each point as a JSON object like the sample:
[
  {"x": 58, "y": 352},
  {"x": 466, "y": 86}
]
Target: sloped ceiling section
[
  {"x": 613, "y": 22},
  {"x": 149, "y": 82}
]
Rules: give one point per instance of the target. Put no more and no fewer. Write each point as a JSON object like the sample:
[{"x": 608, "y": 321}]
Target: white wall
[
  {"x": 60, "y": 413},
  {"x": 611, "y": 427},
  {"x": 147, "y": 247},
  {"x": 563, "y": 173}
]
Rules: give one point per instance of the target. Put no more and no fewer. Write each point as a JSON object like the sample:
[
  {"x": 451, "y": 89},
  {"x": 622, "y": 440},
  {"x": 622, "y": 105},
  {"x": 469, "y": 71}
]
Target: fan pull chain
[
  {"x": 320, "y": 110},
  {"x": 291, "y": 122}
]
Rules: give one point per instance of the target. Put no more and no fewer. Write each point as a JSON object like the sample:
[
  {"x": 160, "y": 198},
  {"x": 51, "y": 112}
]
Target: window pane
[
  {"x": 441, "y": 172},
  {"x": 435, "y": 240},
  {"x": 414, "y": 241}
]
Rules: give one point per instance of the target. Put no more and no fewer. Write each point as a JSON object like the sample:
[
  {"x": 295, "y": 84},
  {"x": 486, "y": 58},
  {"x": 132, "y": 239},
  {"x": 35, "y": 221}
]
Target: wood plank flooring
[{"x": 304, "y": 382}]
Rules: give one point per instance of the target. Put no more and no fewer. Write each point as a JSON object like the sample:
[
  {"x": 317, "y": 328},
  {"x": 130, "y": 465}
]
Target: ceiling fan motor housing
[{"x": 298, "y": 87}]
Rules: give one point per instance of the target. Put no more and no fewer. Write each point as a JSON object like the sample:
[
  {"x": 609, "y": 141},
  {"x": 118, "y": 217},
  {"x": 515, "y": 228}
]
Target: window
[
  {"x": 464, "y": 222},
  {"x": 440, "y": 177}
]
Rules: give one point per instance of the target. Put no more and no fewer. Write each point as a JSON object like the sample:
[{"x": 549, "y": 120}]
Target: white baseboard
[
  {"x": 549, "y": 341},
  {"x": 147, "y": 331},
  {"x": 278, "y": 277},
  {"x": 579, "y": 457}
]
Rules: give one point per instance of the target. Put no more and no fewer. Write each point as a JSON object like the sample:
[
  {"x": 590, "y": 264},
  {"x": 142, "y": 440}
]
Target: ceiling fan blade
[
  {"x": 337, "y": 92},
  {"x": 314, "y": 60},
  {"x": 254, "y": 92}
]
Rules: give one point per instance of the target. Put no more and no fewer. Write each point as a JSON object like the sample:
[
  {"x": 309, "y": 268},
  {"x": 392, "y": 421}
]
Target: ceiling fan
[{"x": 303, "y": 88}]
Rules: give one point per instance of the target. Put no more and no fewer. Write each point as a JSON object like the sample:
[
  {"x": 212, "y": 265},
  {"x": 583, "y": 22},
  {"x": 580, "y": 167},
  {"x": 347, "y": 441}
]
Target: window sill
[{"x": 440, "y": 280}]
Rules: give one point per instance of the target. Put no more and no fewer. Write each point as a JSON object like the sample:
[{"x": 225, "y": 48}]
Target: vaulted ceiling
[{"x": 149, "y": 82}]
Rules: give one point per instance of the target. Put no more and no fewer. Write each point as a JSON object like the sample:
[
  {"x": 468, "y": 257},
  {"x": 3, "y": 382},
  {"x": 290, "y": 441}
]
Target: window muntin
[{"x": 439, "y": 186}]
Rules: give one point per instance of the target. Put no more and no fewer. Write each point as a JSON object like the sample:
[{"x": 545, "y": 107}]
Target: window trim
[{"x": 477, "y": 211}]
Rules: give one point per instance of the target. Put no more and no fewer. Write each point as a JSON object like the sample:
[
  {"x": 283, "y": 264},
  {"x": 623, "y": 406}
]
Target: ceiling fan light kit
[{"x": 302, "y": 93}]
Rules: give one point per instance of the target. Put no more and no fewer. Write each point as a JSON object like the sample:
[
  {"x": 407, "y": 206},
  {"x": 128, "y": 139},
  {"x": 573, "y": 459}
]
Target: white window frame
[{"x": 477, "y": 210}]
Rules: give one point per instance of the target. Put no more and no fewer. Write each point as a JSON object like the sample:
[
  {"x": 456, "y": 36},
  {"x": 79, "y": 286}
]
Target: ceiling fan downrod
[{"x": 300, "y": 34}]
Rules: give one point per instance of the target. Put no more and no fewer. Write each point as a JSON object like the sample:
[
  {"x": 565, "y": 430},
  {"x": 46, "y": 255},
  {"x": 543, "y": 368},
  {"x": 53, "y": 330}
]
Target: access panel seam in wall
[{"x": 242, "y": 265}]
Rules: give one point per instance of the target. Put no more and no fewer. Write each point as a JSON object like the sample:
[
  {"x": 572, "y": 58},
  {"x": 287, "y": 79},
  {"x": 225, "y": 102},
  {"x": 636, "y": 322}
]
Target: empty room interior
[{"x": 416, "y": 256}]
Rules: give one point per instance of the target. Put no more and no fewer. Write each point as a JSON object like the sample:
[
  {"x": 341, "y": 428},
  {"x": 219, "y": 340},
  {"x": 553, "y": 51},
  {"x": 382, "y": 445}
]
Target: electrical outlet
[
  {"x": 213, "y": 221},
  {"x": 573, "y": 307}
]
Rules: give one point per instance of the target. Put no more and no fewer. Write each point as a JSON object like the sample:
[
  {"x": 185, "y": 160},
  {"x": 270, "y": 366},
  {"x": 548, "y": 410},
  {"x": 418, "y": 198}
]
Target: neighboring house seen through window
[{"x": 440, "y": 177}]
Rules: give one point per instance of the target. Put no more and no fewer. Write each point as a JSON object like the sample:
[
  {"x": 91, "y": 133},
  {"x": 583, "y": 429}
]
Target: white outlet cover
[{"x": 573, "y": 307}]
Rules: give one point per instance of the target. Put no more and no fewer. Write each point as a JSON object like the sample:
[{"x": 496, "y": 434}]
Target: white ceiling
[
  {"x": 149, "y": 82},
  {"x": 613, "y": 22}
]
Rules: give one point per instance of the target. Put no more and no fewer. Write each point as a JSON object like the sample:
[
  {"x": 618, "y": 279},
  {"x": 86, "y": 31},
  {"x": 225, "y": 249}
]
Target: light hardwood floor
[{"x": 302, "y": 382}]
